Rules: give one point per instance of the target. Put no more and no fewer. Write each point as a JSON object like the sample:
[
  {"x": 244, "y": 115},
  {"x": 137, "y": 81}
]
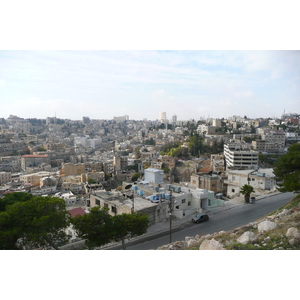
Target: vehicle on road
[{"x": 200, "y": 218}]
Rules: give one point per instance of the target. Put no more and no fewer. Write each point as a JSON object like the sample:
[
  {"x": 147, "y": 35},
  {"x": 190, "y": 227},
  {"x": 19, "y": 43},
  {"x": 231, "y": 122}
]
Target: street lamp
[
  {"x": 170, "y": 214},
  {"x": 134, "y": 188}
]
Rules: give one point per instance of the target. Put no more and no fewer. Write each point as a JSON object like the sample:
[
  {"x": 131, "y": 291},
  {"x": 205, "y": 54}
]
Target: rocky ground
[{"x": 277, "y": 231}]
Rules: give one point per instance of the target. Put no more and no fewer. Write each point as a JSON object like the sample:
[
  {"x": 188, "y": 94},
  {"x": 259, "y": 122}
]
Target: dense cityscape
[{"x": 136, "y": 166}]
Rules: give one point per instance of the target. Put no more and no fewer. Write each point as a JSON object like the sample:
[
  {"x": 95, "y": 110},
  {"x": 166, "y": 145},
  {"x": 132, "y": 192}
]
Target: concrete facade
[
  {"x": 33, "y": 160},
  {"x": 154, "y": 175},
  {"x": 5, "y": 177},
  {"x": 240, "y": 156},
  {"x": 262, "y": 180}
]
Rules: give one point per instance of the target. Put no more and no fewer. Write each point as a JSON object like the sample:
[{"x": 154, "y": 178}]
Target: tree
[
  {"x": 246, "y": 190},
  {"x": 91, "y": 181},
  {"x": 99, "y": 227},
  {"x": 12, "y": 198},
  {"x": 38, "y": 222},
  {"x": 287, "y": 170},
  {"x": 195, "y": 145},
  {"x": 135, "y": 176},
  {"x": 95, "y": 227},
  {"x": 127, "y": 226},
  {"x": 137, "y": 152}
]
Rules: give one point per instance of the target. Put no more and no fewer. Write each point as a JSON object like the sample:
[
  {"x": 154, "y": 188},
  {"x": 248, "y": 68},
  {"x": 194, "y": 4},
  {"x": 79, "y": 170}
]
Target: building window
[
  {"x": 233, "y": 190},
  {"x": 97, "y": 202},
  {"x": 189, "y": 203},
  {"x": 114, "y": 209},
  {"x": 183, "y": 201}
]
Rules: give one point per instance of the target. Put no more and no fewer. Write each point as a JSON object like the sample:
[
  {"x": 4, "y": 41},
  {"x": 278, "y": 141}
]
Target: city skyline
[{"x": 141, "y": 84}]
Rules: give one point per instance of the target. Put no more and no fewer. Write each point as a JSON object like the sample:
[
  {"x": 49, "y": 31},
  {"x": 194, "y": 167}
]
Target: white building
[
  {"x": 240, "y": 156},
  {"x": 206, "y": 129},
  {"x": 154, "y": 175},
  {"x": 262, "y": 180},
  {"x": 162, "y": 117}
]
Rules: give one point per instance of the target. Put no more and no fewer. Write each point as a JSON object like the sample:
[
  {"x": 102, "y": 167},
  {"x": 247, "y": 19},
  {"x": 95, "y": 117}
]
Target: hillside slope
[{"x": 279, "y": 230}]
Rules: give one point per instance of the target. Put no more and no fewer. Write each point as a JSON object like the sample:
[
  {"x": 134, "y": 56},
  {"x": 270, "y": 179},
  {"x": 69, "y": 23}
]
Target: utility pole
[{"x": 170, "y": 214}]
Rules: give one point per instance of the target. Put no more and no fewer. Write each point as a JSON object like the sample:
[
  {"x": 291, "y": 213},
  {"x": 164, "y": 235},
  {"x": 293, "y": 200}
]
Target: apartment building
[
  {"x": 97, "y": 176},
  {"x": 206, "y": 129},
  {"x": 211, "y": 182},
  {"x": 262, "y": 180},
  {"x": 118, "y": 204},
  {"x": 34, "y": 178},
  {"x": 240, "y": 156},
  {"x": 277, "y": 139},
  {"x": 120, "y": 163},
  {"x": 5, "y": 177},
  {"x": 72, "y": 169},
  {"x": 33, "y": 160}
]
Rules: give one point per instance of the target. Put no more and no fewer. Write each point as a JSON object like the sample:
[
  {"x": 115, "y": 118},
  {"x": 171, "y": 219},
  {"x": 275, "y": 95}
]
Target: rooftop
[{"x": 34, "y": 155}]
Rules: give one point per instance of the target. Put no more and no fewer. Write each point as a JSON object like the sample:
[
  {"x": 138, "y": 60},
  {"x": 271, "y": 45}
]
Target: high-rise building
[
  {"x": 174, "y": 119},
  {"x": 162, "y": 117},
  {"x": 86, "y": 120}
]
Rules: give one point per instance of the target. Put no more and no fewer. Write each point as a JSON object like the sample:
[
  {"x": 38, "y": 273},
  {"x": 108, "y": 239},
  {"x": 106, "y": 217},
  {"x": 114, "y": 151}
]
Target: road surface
[{"x": 226, "y": 220}]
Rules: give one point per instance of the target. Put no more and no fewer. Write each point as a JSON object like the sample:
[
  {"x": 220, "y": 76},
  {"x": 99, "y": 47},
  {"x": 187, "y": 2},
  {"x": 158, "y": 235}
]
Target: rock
[
  {"x": 292, "y": 242},
  {"x": 246, "y": 238},
  {"x": 187, "y": 238},
  {"x": 192, "y": 242},
  {"x": 292, "y": 232},
  {"x": 284, "y": 213},
  {"x": 266, "y": 226},
  {"x": 207, "y": 236},
  {"x": 211, "y": 245}
]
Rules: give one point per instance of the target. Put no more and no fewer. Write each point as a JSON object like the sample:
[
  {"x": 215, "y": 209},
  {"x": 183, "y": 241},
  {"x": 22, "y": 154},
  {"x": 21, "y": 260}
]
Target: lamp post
[
  {"x": 170, "y": 214},
  {"x": 134, "y": 188}
]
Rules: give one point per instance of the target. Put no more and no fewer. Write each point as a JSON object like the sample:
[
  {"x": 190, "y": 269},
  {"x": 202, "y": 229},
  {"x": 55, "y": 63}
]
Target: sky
[{"x": 193, "y": 84}]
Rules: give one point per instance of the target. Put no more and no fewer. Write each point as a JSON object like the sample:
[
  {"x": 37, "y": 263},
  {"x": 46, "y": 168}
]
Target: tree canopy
[
  {"x": 12, "y": 198},
  {"x": 128, "y": 226},
  {"x": 95, "y": 227},
  {"x": 287, "y": 170},
  {"x": 37, "y": 222},
  {"x": 99, "y": 227}
]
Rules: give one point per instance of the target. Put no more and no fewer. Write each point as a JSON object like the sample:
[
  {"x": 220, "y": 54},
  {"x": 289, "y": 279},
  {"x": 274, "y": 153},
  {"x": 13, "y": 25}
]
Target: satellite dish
[{"x": 128, "y": 186}]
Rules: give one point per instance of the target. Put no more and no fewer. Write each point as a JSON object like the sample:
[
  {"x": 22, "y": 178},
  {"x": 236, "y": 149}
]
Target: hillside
[{"x": 279, "y": 230}]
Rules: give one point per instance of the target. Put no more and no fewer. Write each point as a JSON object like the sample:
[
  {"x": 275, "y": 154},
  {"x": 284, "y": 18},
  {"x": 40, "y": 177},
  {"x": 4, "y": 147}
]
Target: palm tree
[{"x": 246, "y": 190}]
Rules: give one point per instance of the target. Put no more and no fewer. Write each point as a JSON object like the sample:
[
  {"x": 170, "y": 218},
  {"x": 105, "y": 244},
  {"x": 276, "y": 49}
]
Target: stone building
[
  {"x": 33, "y": 160},
  {"x": 72, "y": 169}
]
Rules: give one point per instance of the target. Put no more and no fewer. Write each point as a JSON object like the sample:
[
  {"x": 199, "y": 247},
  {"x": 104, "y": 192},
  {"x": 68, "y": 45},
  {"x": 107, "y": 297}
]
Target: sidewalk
[
  {"x": 165, "y": 226},
  {"x": 176, "y": 223}
]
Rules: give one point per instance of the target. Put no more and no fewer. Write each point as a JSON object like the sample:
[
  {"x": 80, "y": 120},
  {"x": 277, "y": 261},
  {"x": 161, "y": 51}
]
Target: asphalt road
[{"x": 225, "y": 220}]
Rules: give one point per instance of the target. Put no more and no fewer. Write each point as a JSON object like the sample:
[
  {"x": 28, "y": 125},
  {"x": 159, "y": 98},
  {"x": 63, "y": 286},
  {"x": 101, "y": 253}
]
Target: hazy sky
[{"x": 190, "y": 84}]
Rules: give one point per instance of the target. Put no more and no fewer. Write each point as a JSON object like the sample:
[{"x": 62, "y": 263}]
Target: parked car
[{"x": 200, "y": 218}]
